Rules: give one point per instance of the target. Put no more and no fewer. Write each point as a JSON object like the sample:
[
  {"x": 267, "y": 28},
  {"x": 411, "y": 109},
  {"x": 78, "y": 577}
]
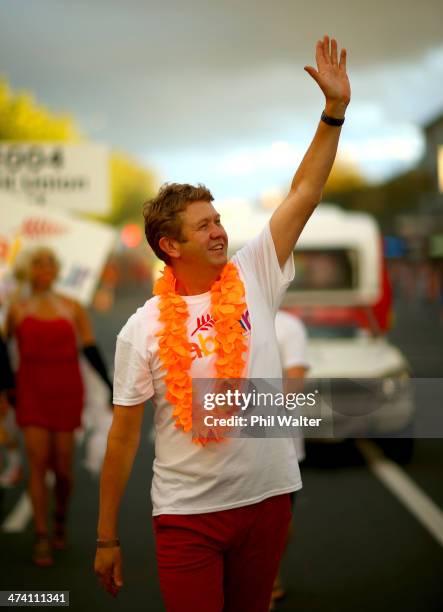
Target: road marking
[
  {"x": 21, "y": 514},
  {"x": 19, "y": 517},
  {"x": 399, "y": 483}
]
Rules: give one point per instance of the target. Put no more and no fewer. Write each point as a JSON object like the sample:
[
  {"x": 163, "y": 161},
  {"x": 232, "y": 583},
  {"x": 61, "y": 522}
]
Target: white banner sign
[
  {"x": 56, "y": 174},
  {"x": 81, "y": 246}
]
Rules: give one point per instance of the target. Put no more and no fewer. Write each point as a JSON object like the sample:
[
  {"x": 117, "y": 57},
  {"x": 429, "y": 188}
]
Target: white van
[{"x": 341, "y": 292}]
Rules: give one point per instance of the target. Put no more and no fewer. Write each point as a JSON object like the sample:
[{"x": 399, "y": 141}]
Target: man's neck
[{"x": 194, "y": 282}]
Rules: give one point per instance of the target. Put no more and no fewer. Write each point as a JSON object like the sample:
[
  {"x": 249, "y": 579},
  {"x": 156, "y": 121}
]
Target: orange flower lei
[{"x": 227, "y": 308}]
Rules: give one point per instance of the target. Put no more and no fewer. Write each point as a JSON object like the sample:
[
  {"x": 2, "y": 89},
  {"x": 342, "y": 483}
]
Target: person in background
[
  {"x": 292, "y": 342},
  {"x": 12, "y": 472},
  {"x": 49, "y": 329}
]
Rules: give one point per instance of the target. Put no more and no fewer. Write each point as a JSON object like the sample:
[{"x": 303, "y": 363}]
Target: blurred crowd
[{"x": 420, "y": 281}]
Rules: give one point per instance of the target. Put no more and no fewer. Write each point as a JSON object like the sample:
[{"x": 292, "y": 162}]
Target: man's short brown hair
[{"x": 162, "y": 212}]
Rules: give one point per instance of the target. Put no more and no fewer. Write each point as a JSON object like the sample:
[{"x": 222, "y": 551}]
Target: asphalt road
[{"x": 357, "y": 546}]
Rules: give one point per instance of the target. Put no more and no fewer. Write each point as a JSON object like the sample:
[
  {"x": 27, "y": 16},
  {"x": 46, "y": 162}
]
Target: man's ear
[{"x": 170, "y": 246}]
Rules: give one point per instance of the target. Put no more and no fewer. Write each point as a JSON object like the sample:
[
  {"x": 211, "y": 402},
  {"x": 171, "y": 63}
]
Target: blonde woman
[{"x": 49, "y": 329}]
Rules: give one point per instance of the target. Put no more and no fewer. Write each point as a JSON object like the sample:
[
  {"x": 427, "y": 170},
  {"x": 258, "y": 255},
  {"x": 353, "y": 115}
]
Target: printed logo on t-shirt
[{"x": 204, "y": 343}]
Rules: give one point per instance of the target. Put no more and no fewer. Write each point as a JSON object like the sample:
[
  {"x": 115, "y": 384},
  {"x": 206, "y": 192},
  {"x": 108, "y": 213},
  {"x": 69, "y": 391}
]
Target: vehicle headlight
[{"x": 394, "y": 383}]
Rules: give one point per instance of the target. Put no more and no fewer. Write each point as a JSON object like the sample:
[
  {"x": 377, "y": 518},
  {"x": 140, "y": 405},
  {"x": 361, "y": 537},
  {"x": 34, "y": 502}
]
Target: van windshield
[{"x": 325, "y": 269}]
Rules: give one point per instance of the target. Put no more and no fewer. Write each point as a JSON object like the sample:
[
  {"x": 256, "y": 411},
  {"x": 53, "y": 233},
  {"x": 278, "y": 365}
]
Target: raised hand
[{"x": 331, "y": 76}]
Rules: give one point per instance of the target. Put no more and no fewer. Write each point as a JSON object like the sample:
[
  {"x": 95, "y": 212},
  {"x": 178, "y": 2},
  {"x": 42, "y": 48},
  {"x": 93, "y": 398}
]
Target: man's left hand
[{"x": 331, "y": 76}]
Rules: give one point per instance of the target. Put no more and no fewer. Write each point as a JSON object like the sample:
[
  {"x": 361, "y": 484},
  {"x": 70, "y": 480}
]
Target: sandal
[
  {"x": 278, "y": 591},
  {"x": 41, "y": 552}
]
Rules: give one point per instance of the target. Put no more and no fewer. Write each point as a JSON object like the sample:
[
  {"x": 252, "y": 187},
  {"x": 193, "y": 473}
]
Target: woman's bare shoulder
[
  {"x": 17, "y": 309},
  {"x": 67, "y": 301},
  {"x": 18, "y": 304}
]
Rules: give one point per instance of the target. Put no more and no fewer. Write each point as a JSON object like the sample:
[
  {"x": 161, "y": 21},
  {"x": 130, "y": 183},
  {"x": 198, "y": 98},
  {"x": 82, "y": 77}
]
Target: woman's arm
[
  {"x": 83, "y": 325},
  {"x": 11, "y": 320},
  {"x": 89, "y": 346},
  {"x": 6, "y": 375}
]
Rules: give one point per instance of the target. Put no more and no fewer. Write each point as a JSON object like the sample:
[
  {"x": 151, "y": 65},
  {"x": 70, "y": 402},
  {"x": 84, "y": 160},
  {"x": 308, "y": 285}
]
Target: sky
[{"x": 215, "y": 91}]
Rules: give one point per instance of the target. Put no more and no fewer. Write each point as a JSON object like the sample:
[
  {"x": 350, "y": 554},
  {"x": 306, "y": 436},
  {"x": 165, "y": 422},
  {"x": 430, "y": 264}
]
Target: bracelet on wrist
[
  {"x": 331, "y": 120},
  {"x": 115, "y": 543}
]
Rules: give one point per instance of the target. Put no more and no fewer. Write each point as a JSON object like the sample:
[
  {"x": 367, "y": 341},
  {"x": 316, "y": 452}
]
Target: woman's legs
[
  {"x": 62, "y": 460},
  {"x": 63, "y": 451},
  {"x": 38, "y": 450}
]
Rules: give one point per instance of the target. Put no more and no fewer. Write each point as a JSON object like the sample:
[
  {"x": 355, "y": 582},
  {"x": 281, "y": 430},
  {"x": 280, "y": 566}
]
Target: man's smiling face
[{"x": 205, "y": 241}]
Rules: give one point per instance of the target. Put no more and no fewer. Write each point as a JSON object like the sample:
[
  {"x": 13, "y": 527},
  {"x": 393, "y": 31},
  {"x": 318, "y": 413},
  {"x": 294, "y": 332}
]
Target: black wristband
[{"x": 332, "y": 120}]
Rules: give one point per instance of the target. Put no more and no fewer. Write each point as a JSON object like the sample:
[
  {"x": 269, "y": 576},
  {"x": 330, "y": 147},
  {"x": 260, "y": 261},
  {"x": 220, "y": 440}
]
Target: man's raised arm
[{"x": 307, "y": 185}]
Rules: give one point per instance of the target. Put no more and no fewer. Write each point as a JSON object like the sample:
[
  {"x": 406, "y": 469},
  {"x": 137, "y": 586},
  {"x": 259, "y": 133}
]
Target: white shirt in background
[{"x": 292, "y": 342}]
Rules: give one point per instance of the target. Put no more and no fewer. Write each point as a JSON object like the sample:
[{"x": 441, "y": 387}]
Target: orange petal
[{"x": 226, "y": 309}]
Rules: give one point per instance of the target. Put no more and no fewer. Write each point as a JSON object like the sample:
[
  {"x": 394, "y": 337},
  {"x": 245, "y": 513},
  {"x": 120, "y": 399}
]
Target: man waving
[{"x": 221, "y": 508}]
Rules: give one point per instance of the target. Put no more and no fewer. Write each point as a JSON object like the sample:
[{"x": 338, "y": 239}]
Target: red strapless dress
[{"x": 49, "y": 383}]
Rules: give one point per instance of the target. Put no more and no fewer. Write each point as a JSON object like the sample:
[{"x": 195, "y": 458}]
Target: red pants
[{"x": 224, "y": 560}]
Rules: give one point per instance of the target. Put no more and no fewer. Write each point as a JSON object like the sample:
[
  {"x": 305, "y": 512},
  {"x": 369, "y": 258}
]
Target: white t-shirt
[
  {"x": 191, "y": 479},
  {"x": 292, "y": 343}
]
